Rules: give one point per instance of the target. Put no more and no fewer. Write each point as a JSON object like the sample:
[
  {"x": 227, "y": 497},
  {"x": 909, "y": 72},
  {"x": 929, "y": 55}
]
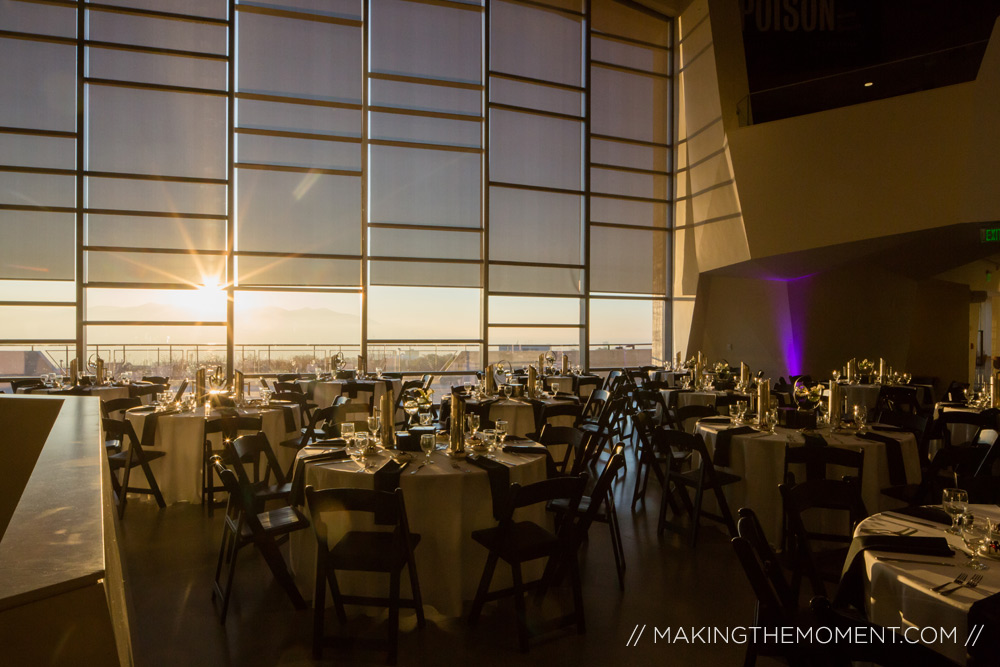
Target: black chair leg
[
  {"x": 280, "y": 571},
  {"x": 577, "y": 596},
  {"x": 319, "y": 608},
  {"x": 393, "y": 616},
  {"x": 519, "y": 607},
  {"x": 484, "y": 588},
  {"x": 418, "y": 601},
  {"x": 696, "y": 517},
  {"x": 338, "y": 600}
]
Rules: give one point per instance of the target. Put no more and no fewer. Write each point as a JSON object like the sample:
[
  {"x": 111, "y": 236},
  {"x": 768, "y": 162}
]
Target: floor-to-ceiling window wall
[{"x": 429, "y": 183}]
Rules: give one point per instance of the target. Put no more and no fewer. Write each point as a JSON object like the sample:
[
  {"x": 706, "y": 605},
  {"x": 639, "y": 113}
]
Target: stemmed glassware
[
  {"x": 427, "y": 444},
  {"x": 772, "y": 420},
  {"x": 835, "y": 375},
  {"x": 501, "y": 434},
  {"x": 411, "y": 407},
  {"x": 955, "y": 502},
  {"x": 347, "y": 432},
  {"x": 373, "y": 422},
  {"x": 555, "y": 388},
  {"x": 507, "y": 391},
  {"x": 860, "y": 415},
  {"x": 741, "y": 411},
  {"x": 974, "y": 534},
  {"x": 473, "y": 422}
]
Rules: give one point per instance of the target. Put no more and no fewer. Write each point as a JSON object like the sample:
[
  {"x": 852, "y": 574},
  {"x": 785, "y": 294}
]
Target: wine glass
[
  {"x": 427, "y": 444},
  {"x": 955, "y": 502},
  {"x": 501, "y": 433},
  {"x": 373, "y": 423},
  {"x": 974, "y": 534},
  {"x": 507, "y": 391},
  {"x": 473, "y": 422},
  {"x": 772, "y": 420},
  {"x": 347, "y": 431},
  {"x": 411, "y": 407},
  {"x": 555, "y": 388},
  {"x": 489, "y": 436},
  {"x": 860, "y": 415},
  {"x": 741, "y": 411}
]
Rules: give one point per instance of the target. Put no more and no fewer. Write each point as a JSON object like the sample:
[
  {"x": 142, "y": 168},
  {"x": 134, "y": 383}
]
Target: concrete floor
[{"x": 171, "y": 554}]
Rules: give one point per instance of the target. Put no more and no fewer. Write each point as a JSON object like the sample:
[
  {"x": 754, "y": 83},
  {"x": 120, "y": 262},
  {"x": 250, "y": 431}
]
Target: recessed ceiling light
[{"x": 869, "y": 84}]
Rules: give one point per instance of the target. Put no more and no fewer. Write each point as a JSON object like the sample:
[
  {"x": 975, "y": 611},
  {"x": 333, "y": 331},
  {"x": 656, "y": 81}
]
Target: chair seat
[
  {"x": 721, "y": 477},
  {"x": 369, "y": 551},
  {"x": 278, "y": 522},
  {"x": 273, "y": 492},
  {"x": 526, "y": 541},
  {"x": 119, "y": 460},
  {"x": 561, "y": 505}
]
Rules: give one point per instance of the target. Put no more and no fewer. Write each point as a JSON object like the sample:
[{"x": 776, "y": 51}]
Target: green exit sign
[{"x": 989, "y": 235}]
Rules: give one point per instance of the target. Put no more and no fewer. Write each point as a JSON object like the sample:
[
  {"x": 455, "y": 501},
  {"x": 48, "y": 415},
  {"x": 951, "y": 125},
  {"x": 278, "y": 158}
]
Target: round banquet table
[
  {"x": 444, "y": 504},
  {"x": 759, "y": 459},
  {"x": 182, "y": 436},
  {"x": 899, "y": 593},
  {"x": 672, "y": 378},
  {"x": 518, "y": 413},
  {"x": 325, "y": 392}
]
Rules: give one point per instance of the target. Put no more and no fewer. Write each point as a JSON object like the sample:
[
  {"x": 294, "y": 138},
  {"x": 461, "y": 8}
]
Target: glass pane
[
  {"x": 424, "y": 187},
  {"x": 292, "y": 317},
  {"x": 298, "y": 118},
  {"x": 157, "y": 196},
  {"x": 319, "y": 61},
  {"x": 516, "y": 338},
  {"x": 429, "y": 274},
  {"x": 534, "y": 279},
  {"x": 533, "y": 96},
  {"x": 156, "y": 132},
  {"x": 631, "y": 106},
  {"x": 215, "y": 9},
  {"x": 520, "y": 354},
  {"x": 37, "y": 189},
  {"x": 533, "y": 310},
  {"x": 624, "y": 322},
  {"x": 156, "y": 32},
  {"x": 629, "y": 155},
  {"x": 207, "y": 304},
  {"x": 628, "y": 212},
  {"x": 537, "y": 43},
  {"x": 156, "y": 68},
  {"x": 429, "y": 358},
  {"x": 37, "y": 290},
  {"x": 346, "y": 9},
  {"x": 28, "y": 104},
  {"x": 613, "y": 17},
  {"x": 529, "y": 226},
  {"x": 399, "y": 313},
  {"x": 643, "y": 253},
  {"x": 613, "y": 181},
  {"x": 282, "y": 211},
  {"x": 535, "y": 150},
  {"x": 420, "y": 129},
  {"x": 630, "y": 55},
  {"x": 37, "y": 322},
  {"x": 418, "y": 39},
  {"x": 25, "y": 150},
  {"x": 136, "y": 267},
  {"x": 424, "y": 243},
  {"x": 290, "y": 271},
  {"x": 37, "y": 19},
  {"x": 425, "y": 97},
  {"x": 157, "y": 338},
  {"x": 23, "y": 257},
  {"x": 148, "y": 232}
]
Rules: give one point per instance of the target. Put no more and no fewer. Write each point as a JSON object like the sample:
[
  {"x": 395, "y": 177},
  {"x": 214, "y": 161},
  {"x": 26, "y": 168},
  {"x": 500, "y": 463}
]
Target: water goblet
[
  {"x": 347, "y": 431},
  {"x": 860, "y": 415},
  {"x": 473, "y": 423},
  {"x": 489, "y": 442},
  {"x": 955, "y": 502},
  {"x": 974, "y": 534},
  {"x": 373, "y": 422},
  {"x": 427, "y": 444},
  {"x": 507, "y": 391},
  {"x": 501, "y": 433},
  {"x": 555, "y": 388},
  {"x": 772, "y": 420}
]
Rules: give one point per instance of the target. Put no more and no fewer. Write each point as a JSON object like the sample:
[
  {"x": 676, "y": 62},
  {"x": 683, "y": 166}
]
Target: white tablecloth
[
  {"x": 672, "y": 378},
  {"x": 182, "y": 437},
  {"x": 444, "y": 505},
  {"x": 899, "y": 594},
  {"x": 326, "y": 392},
  {"x": 759, "y": 460}
]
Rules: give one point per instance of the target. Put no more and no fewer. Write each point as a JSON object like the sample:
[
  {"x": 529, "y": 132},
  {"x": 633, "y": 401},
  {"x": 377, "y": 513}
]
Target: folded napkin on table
[
  {"x": 851, "y": 589},
  {"x": 885, "y": 427},
  {"x": 930, "y": 513},
  {"x": 715, "y": 420},
  {"x": 723, "y": 443},
  {"x": 387, "y": 479},
  {"x": 298, "y": 492},
  {"x": 499, "y": 476}
]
